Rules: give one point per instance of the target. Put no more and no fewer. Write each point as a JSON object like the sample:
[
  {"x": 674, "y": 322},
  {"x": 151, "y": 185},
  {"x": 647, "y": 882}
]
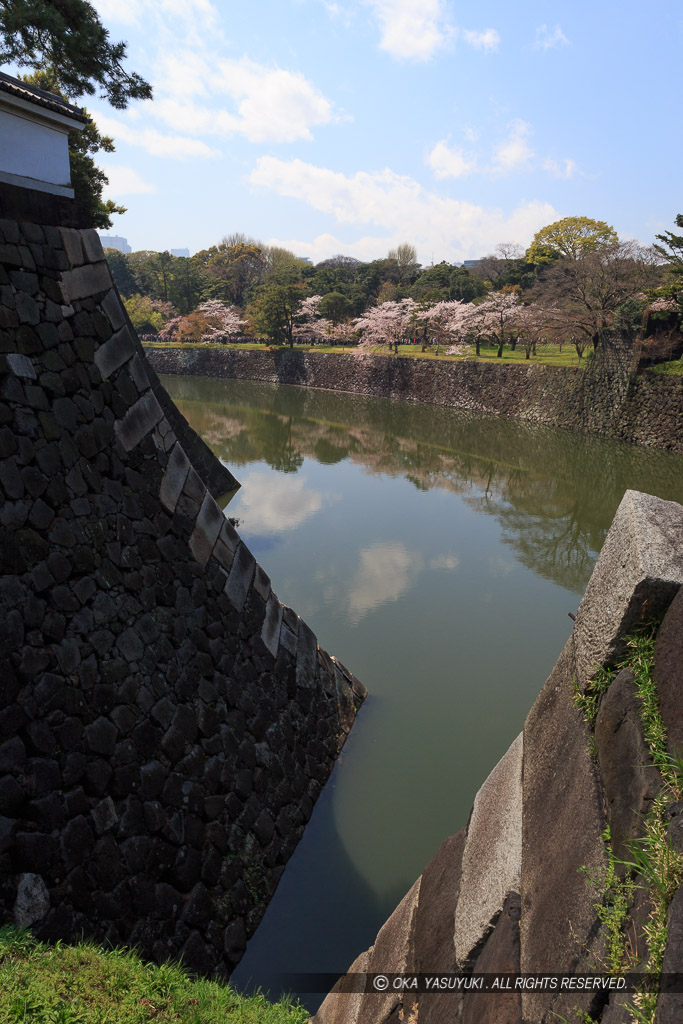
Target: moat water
[{"x": 438, "y": 555}]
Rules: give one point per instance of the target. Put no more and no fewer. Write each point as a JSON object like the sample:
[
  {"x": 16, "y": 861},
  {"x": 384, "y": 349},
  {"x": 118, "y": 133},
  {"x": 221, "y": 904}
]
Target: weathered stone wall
[
  {"x": 510, "y": 891},
  {"x": 604, "y": 399},
  {"x": 166, "y": 724}
]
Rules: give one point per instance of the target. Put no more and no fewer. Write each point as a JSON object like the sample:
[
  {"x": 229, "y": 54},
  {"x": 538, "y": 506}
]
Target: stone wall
[
  {"x": 604, "y": 399},
  {"x": 166, "y": 724},
  {"x": 510, "y": 891}
]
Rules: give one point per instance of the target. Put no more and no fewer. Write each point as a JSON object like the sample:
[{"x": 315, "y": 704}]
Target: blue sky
[{"x": 349, "y": 126}]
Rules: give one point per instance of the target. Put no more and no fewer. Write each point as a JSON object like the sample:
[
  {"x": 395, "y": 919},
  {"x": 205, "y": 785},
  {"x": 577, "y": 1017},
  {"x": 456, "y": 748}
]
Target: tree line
[{"x": 575, "y": 282}]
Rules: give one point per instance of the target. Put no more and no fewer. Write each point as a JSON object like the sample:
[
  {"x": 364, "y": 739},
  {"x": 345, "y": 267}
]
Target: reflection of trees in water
[{"x": 554, "y": 492}]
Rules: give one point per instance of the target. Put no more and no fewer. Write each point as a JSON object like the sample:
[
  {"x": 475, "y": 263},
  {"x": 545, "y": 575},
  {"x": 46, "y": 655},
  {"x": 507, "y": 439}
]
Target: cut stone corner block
[
  {"x": 639, "y": 570},
  {"x": 206, "y": 529},
  {"x": 173, "y": 481},
  {"x": 492, "y": 858},
  {"x": 139, "y": 420}
]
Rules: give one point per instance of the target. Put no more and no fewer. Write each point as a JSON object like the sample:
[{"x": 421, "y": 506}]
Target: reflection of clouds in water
[
  {"x": 276, "y": 502},
  {"x": 445, "y": 562},
  {"x": 500, "y": 566},
  {"x": 386, "y": 571}
]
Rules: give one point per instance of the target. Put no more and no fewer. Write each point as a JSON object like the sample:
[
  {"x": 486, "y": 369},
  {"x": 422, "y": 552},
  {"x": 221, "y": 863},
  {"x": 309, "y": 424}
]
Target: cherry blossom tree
[
  {"x": 390, "y": 321},
  {"x": 210, "y": 321},
  {"x": 309, "y": 325},
  {"x": 443, "y": 322},
  {"x": 496, "y": 317}
]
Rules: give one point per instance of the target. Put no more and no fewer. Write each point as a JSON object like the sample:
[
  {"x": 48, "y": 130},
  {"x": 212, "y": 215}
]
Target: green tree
[
  {"x": 671, "y": 249},
  {"x": 571, "y": 238},
  {"x": 446, "y": 282},
  {"x": 68, "y": 37},
  {"x": 121, "y": 273},
  {"x": 405, "y": 257},
  {"x": 87, "y": 178},
  {"x": 231, "y": 269},
  {"x": 587, "y": 295},
  {"x": 148, "y": 316},
  {"x": 335, "y": 307},
  {"x": 273, "y": 311}
]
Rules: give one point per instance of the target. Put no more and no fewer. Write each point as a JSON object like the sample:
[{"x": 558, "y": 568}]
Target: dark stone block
[
  {"x": 630, "y": 779},
  {"x": 34, "y": 852},
  {"x": 12, "y": 795},
  {"x": 76, "y": 842},
  {"x": 97, "y": 776},
  {"x": 104, "y": 864},
  {"x": 152, "y": 779},
  {"x": 101, "y": 736},
  {"x": 196, "y": 956},
  {"x": 187, "y": 868},
  {"x": 167, "y": 901},
  {"x": 264, "y": 828},
  {"x": 137, "y": 854},
  {"x": 12, "y": 756},
  {"x": 199, "y": 908},
  {"x": 500, "y": 955},
  {"x": 553, "y": 849},
  {"x": 668, "y": 672},
  {"x": 670, "y": 1004}
]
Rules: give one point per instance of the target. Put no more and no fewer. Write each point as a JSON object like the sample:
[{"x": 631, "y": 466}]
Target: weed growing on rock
[
  {"x": 615, "y": 897},
  {"x": 655, "y": 865},
  {"x": 588, "y": 699}
]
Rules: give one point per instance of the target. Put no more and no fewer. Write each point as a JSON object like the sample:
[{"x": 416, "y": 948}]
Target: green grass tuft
[
  {"x": 84, "y": 984},
  {"x": 655, "y": 865}
]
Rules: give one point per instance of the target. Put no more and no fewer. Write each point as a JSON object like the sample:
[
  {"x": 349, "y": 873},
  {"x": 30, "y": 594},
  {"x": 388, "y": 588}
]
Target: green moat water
[{"x": 438, "y": 554}]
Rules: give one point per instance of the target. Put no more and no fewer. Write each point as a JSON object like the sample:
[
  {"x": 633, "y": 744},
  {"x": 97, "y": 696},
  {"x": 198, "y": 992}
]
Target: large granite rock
[
  {"x": 500, "y": 955},
  {"x": 670, "y": 1004},
  {"x": 389, "y": 954},
  {"x": 668, "y": 672},
  {"x": 629, "y": 778},
  {"x": 432, "y": 946},
  {"x": 639, "y": 571},
  {"x": 562, "y": 824},
  {"x": 492, "y": 859}
]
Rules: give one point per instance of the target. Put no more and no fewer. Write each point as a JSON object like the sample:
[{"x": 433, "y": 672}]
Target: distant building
[
  {"x": 115, "y": 242},
  {"x": 306, "y": 259},
  {"x": 181, "y": 252},
  {"x": 471, "y": 263},
  {"x": 34, "y": 127}
]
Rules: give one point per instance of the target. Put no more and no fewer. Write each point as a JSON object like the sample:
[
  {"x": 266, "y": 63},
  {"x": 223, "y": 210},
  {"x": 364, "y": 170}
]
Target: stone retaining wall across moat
[{"x": 606, "y": 399}]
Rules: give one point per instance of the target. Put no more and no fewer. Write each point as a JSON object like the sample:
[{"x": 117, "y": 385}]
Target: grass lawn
[
  {"x": 83, "y": 984},
  {"x": 547, "y": 355},
  {"x": 675, "y": 367}
]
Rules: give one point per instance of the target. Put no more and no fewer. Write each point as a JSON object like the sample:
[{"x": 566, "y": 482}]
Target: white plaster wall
[{"x": 33, "y": 150}]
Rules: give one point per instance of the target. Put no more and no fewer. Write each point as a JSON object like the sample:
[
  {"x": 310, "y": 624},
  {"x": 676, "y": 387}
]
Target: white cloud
[
  {"x": 566, "y": 169},
  {"x": 447, "y": 162},
  {"x": 174, "y": 147},
  {"x": 200, "y": 91},
  {"x": 412, "y": 29},
  {"x": 488, "y": 39},
  {"x": 547, "y": 38},
  {"x": 513, "y": 153},
  {"x": 273, "y": 503},
  {"x": 385, "y": 572},
  {"x": 125, "y": 181},
  {"x": 450, "y": 562},
  {"x": 271, "y": 104},
  {"x": 195, "y": 15},
  {"x": 449, "y": 227}
]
